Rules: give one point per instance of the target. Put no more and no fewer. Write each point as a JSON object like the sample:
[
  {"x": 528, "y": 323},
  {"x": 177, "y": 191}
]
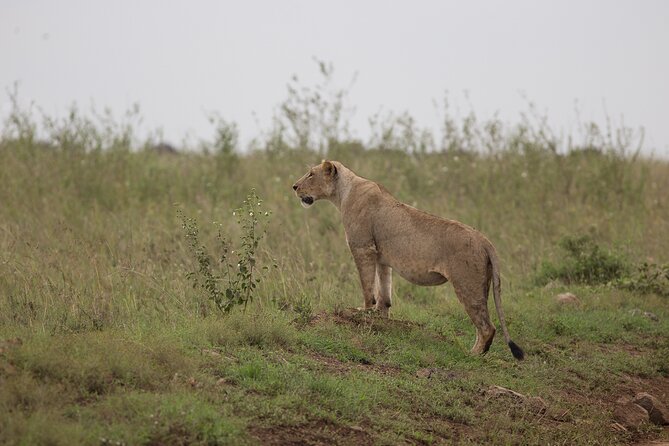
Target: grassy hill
[{"x": 105, "y": 340}]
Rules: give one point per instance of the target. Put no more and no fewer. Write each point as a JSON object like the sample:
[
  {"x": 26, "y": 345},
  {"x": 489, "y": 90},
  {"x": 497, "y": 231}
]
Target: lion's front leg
[
  {"x": 383, "y": 288},
  {"x": 365, "y": 261}
]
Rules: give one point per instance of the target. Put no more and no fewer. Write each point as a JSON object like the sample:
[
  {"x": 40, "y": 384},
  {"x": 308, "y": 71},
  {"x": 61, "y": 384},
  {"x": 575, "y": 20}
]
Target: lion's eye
[{"x": 310, "y": 175}]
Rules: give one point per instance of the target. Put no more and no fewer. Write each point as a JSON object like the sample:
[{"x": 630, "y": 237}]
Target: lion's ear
[{"x": 329, "y": 168}]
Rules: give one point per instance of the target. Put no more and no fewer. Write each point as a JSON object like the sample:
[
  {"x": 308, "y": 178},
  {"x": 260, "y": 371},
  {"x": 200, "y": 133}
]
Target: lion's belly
[
  {"x": 416, "y": 259},
  {"x": 412, "y": 267},
  {"x": 426, "y": 278}
]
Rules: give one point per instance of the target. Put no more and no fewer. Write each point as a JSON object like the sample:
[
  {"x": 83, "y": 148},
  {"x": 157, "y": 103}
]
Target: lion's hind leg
[{"x": 475, "y": 300}]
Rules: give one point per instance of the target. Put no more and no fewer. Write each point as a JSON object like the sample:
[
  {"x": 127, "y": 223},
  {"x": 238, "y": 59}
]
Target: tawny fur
[{"x": 384, "y": 234}]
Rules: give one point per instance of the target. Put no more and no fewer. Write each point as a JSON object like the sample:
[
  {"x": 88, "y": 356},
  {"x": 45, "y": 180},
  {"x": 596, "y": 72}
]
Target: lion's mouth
[{"x": 306, "y": 201}]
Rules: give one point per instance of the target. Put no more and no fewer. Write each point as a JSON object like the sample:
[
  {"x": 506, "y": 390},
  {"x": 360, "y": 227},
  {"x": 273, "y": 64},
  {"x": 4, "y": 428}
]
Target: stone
[
  {"x": 567, "y": 299},
  {"x": 657, "y": 412},
  {"x": 630, "y": 415}
]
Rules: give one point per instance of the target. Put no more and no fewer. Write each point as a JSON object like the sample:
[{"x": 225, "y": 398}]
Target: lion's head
[{"x": 319, "y": 182}]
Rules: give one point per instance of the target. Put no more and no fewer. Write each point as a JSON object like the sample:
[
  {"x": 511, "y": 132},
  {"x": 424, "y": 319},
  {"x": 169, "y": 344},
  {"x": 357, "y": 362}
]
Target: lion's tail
[{"x": 496, "y": 289}]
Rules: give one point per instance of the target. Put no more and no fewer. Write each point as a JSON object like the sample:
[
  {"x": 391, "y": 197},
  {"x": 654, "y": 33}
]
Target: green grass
[{"x": 117, "y": 346}]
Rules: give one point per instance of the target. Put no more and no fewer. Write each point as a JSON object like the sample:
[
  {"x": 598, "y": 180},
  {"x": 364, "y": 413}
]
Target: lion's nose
[{"x": 294, "y": 186}]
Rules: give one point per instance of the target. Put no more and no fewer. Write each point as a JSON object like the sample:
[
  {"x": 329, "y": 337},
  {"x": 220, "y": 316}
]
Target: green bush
[
  {"x": 648, "y": 278},
  {"x": 585, "y": 262},
  {"x": 233, "y": 281}
]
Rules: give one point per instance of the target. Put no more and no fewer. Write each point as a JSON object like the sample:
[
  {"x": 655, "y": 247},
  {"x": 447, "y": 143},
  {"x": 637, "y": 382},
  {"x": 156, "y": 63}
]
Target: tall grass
[
  {"x": 89, "y": 235},
  {"x": 104, "y": 338}
]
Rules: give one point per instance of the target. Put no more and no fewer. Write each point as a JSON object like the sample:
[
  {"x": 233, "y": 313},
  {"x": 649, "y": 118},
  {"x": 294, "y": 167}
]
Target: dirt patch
[
  {"x": 657, "y": 386},
  {"x": 632, "y": 350},
  {"x": 336, "y": 366},
  {"x": 443, "y": 430},
  {"x": 319, "y": 432},
  {"x": 369, "y": 320}
]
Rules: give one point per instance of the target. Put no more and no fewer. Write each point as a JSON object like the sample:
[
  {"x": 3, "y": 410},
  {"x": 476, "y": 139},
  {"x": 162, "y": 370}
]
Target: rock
[
  {"x": 657, "y": 412},
  {"x": 630, "y": 415},
  {"x": 567, "y": 299},
  {"x": 623, "y": 400}
]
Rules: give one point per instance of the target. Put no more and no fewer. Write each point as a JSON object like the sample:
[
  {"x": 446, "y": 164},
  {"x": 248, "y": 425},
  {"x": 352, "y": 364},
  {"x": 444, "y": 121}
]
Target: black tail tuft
[{"x": 516, "y": 351}]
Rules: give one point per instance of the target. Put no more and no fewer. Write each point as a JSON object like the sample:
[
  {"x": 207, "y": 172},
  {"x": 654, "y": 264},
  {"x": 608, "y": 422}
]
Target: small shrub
[
  {"x": 558, "y": 326},
  {"x": 584, "y": 262},
  {"x": 234, "y": 279},
  {"x": 299, "y": 304},
  {"x": 303, "y": 309}
]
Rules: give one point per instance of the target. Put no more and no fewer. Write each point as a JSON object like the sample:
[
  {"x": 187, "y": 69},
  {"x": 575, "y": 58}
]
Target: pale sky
[{"x": 180, "y": 60}]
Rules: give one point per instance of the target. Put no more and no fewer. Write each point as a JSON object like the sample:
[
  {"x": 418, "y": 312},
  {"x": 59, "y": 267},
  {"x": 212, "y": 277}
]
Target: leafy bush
[
  {"x": 584, "y": 262},
  {"x": 234, "y": 280},
  {"x": 648, "y": 278}
]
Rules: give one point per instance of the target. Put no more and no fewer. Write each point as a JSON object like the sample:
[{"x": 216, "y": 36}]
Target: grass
[{"x": 104, "y": 340}]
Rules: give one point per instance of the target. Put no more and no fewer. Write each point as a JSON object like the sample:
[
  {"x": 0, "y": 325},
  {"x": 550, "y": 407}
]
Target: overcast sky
[{"x": 180, "y": 60}]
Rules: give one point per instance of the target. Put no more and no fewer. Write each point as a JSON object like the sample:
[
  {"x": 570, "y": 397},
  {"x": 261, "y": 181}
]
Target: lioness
[{"x": 384, "y": 234}]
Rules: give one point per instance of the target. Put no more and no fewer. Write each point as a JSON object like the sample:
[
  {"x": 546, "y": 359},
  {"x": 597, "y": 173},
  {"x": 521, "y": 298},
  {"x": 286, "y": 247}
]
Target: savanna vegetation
[{"x": 136, "y": 308}]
